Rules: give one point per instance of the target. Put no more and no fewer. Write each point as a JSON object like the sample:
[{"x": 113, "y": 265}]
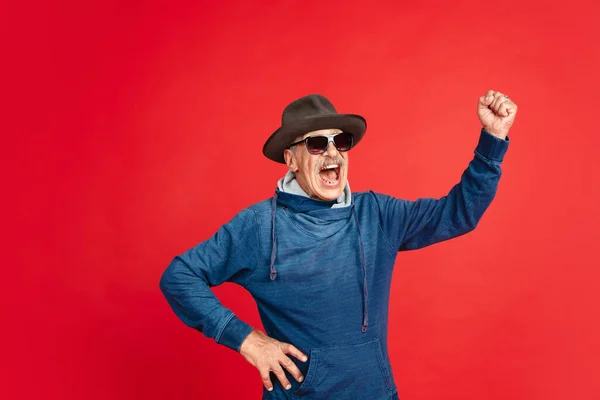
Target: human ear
[{"x": 290, "y": 160}]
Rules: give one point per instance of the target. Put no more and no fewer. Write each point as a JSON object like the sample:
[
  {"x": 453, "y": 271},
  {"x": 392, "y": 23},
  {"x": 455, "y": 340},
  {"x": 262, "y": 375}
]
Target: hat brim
[{"x": 285, "y": 135}]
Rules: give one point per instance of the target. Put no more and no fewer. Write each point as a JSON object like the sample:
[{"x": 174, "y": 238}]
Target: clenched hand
[
  {"x": 270, "y": 355},
  {"x": 497, "y": 113}
]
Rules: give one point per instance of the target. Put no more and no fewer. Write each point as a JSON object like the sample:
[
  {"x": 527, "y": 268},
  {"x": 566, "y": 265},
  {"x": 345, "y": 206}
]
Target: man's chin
[{"x": 329, "y": 194}]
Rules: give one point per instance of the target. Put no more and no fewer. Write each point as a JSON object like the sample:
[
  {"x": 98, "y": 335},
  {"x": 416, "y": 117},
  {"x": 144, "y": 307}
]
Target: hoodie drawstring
[
  {"x": 273, "y": 273},
  {"x": 274, "y": 246},
  {"x": 364, "y": 269}
]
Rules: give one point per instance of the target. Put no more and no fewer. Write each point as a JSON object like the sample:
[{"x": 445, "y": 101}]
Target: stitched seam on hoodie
[
  {"x": 222, "y": 328},
  {"x": 258, "y": 250},
  {"x": 490, "y": 160},
  {"x": 308, "y": 233},
  {"x": 387, "y": 240}
]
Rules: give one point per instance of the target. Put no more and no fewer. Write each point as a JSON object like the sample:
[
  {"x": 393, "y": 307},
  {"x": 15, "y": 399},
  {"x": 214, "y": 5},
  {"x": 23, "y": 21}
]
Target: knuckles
[{"x": 287, "y": 362}]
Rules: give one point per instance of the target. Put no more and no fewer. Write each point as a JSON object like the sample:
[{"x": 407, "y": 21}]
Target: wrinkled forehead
[{"x": 320, "y": 132}]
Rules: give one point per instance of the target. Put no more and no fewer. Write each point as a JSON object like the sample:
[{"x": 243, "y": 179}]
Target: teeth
[{"x": 330, "y": 166}]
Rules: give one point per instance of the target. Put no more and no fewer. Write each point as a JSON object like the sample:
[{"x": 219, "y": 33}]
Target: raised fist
[{"x": 497, "y": 113}]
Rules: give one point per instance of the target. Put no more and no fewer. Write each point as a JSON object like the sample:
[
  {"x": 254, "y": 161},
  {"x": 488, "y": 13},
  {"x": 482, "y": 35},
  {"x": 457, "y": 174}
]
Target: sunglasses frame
[{"x": 330, "y": 139}]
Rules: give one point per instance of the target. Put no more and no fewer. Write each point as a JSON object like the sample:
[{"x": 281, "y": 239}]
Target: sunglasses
[{"x": 318, "y": 144}]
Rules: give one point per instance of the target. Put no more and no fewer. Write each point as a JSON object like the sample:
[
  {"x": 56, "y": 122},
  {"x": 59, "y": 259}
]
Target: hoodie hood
[{"x": 289, "y": 184}]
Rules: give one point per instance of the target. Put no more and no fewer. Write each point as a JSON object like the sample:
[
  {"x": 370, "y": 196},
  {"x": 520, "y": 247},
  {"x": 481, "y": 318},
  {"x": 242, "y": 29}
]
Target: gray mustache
[{"x": 338, "y": 160}]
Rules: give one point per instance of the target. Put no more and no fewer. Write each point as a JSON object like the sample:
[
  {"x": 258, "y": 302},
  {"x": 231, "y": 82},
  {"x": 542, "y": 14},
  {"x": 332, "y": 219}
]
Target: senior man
[{"x": 318, "y": 258}]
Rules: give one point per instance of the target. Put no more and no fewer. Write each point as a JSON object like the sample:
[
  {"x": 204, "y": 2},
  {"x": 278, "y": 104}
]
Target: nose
[{"x": 331, "y": 150}]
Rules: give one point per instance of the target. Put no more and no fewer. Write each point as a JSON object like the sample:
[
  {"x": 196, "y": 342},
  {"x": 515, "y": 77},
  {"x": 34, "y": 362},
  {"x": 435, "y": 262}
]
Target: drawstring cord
[
  {"x": 273, "y": 274},
  {"x": 365, "y": 324}
]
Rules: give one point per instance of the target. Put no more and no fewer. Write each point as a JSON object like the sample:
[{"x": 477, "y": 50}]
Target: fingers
[
  {"x": 292, "y": 368},
  {"x": 503, "y": 109},
  {"x": 265, "y": 375},
  {"x": 293, "y": 351},
  {"x": 485, "y": 101},
  {"x": 278, "y": 371},
  {"x": 498, "y": 102},
  {"x": 266, "y": 378},
  {"x": 271, "y": 357},
  {"x": 499, "y": 98}
]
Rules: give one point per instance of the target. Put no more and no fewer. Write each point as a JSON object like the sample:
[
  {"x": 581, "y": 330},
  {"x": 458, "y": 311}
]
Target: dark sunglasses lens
[
  {"x": 316, "y": 144},
  {"x": 343, "y": 141}
]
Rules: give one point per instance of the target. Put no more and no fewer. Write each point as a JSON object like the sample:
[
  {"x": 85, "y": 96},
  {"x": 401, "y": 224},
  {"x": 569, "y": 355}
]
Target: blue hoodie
[{"x": 321, "y": 275}]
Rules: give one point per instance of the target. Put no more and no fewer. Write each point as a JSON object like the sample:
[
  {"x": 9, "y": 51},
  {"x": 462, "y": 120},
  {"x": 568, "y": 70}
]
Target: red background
[{"x": 132, "y": 131}]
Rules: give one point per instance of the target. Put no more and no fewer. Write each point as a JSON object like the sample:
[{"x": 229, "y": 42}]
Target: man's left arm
[{"x": 412, "y": 225}]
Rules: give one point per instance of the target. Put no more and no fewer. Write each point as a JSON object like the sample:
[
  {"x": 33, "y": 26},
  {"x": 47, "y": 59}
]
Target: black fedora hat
[{"x": 307, "y": 114}]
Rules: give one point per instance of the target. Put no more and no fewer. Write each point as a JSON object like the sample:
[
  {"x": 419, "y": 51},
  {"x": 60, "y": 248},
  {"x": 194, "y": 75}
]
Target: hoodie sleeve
[
  {"x": 411, "y": 225},
  {"x": 231, "y": 255}
]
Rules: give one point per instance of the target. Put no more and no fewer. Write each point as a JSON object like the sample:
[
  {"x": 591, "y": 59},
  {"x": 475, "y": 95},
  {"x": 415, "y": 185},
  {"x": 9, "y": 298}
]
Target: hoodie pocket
[{"x": 347, "y": 372}]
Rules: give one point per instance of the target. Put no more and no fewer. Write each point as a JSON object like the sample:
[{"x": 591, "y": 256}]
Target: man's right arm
[{"x": 231, "y": 254}]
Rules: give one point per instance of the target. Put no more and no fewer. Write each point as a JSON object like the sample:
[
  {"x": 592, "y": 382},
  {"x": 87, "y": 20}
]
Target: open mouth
[{"x": 330, "y": 174}]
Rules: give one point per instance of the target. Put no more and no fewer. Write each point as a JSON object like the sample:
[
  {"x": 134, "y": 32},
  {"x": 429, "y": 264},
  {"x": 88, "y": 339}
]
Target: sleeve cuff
[
  {"x": 234, "y": 333},
  {"x": 491, "y": 147}
]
